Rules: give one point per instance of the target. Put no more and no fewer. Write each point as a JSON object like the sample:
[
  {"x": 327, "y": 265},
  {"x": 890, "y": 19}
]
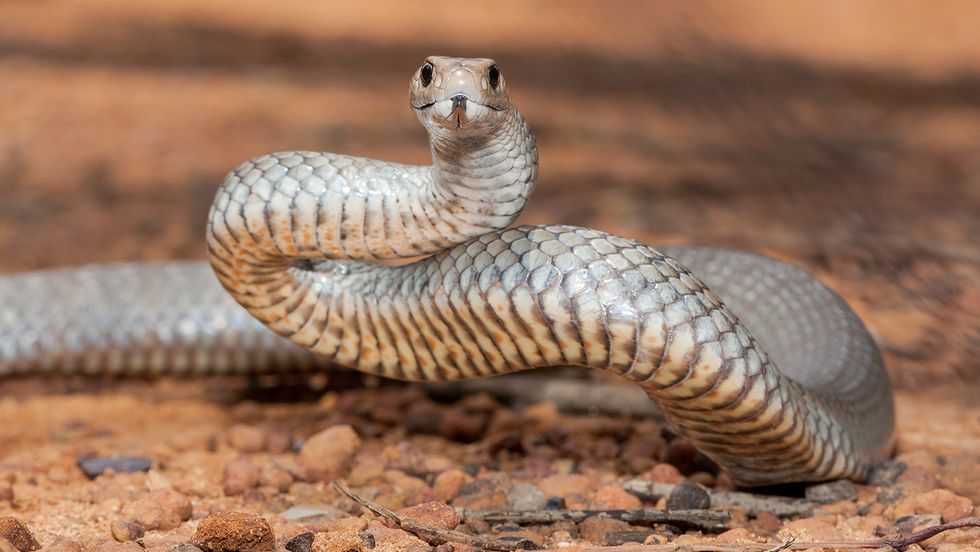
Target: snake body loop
[{"x": 291, "y": 236}]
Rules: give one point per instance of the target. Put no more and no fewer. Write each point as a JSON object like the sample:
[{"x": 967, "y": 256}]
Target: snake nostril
[{"x": 459, "y": 102}]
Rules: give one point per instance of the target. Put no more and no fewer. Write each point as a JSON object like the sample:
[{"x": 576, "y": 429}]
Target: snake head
[{"x": 459, "y": 95}]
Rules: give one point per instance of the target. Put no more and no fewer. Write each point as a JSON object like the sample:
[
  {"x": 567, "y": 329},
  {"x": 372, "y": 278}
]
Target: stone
[
  {"x": 302, "y": 542},
  {"x": 688, "y": 496},
  {"x": 338, "y": 541},
  {"x": 241, "y": 475},
  {"x": 613, "y": 497},
  {"x": 833, "y": 491},
  {"x": 524, "y": 496},
  {"x": 960, "y": 474},
  {"x": 433, "y": 514},
  {"x": 327, "y": 454},
  {"x": 517, "y": 538},
  {"x": 311, "y": 515},
  {"x": 96, "y": 466},
  {"x": 448, "y": 483},
  {"x": 62, "y": 544},
  {"x": 113, "y": 546},
  {"x": 662, "y": 473},
  {"x": 594, "y": 529},
  {"x": 17, "y": 534},
  {"x": 233, "y": 532},
  {"x": 162, "y": 510},
  {"x": 185, "y": 547},
  {"x": 943, "y": 502},
  {"x": 886, "y": 473},
  {"x": 390, "y": 539},
  {"x": 276, "y": 477},
  {"x": 737, "y": 535},
  {"x": 819, "y": 528},
  {"x": 565, "y": 485},
  {"x": 247, "y": 438},
  {"x": 124, "y": 531},
  {"x": 765, "y": 524}
]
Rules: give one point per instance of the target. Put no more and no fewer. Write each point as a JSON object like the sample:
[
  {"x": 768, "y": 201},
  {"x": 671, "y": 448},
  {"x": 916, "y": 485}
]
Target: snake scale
[{"x": 291, "y": 237}]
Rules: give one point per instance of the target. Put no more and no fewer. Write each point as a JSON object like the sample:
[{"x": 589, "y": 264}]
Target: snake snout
[{"x": 459, "y": 102}]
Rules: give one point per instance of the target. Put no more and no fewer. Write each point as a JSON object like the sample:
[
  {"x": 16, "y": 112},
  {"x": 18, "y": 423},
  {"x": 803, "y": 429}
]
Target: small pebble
[
  {"x": 448, "y": 483},
  {"x": 276, "y": 477},
  {"x": 61, "y": 544},
  {"x": 327, "y": 454},
  {"x": 302, "y": 542},
  {"x": 113, "y": 546},
  {"x": 337, "y": 541},
  {"x": 185, "y": 547},
  {"x": 616, "y": 538},
  {"x": 613, "y": 497},
  {"x": 17, "y": 534},
  {"x": 960, "y": 474},
  {"x": 518, "y": 538},
  {"x": 594, "y": 529},
  {"x": 124, "y": 531},
  {"x": 485, "y": 493},
  {"x": 460, "y": 425},
  {"x": 833, "y": 491},
  {"x": 279, "y": 442},
  {"x": 241, "y": 475},
  {"x": 423, "y": 417},
  {"x": 565, "y": 485},
  {"x": 886, "y": 473},
  {"x": 247, "y": 438},
  {"x": 524, "y": 496},
  {"x": 433, "y": 514},
  {"x": 688, "y": 496},
  {"x": 97, "y": 465},
  {"x": 662, "y": 473},
  {"x": 311, "y": 515},
  {"x": 234, "y": 531},
  {"x": 163, "y": 510}
]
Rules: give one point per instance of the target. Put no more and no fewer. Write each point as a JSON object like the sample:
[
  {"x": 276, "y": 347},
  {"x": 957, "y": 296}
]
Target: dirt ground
[{"x": 842, "y": 136}]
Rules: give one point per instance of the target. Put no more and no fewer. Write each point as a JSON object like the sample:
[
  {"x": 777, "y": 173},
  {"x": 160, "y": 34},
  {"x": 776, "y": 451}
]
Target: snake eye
[
  {"x": 493, "y": 75},
  {"x": 425, "y": 74}
]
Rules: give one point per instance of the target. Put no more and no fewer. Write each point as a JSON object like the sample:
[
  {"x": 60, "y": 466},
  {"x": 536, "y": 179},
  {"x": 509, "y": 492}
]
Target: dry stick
[
  {"x": 900, "y": 543},
  {"x": 712, "y": 520},
  {"x": 436, "y": 536},
  {"x": 432, "y": 535},
  {"x": 753, "y": 503}
]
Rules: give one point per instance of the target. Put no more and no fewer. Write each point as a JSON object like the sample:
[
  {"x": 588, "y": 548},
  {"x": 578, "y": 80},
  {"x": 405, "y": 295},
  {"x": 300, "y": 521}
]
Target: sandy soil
[{"x": 837, "y": 135}]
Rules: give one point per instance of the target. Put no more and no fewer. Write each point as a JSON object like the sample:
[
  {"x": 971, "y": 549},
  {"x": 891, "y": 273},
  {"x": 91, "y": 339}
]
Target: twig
[
  {"x": 901, "y": 543},
  {"x": 432, "y": 535},
  {"x": 753, "y": 503},
  {"x": 702, "y": 519},
  {"x": 435, "y": 536},
  {"x": 789, "y": 542},
  {"x": 896, "y": 543}
]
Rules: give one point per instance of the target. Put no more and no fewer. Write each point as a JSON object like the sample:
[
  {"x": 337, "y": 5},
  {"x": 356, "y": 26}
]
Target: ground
[{"x": 839, "y": 136}]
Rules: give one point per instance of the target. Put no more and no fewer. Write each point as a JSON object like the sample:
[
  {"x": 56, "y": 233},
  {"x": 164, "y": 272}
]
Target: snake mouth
[{"x": 453, "y": 99}]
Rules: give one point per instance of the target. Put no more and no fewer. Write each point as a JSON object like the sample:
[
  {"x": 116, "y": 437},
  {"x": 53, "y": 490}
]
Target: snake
[{"x": 416, "y": 273}]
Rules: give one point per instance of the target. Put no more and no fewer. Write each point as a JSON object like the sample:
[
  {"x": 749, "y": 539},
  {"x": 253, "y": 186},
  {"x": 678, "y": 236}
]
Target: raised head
[{"x": 459, "y": 94}]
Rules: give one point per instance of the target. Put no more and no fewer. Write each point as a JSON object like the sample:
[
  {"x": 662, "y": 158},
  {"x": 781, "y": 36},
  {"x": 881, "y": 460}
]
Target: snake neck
[{"x": 485, "y": 176}]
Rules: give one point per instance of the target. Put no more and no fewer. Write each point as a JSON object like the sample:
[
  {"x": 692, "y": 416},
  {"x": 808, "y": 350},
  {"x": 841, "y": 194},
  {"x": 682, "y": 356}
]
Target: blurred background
[{"x": 841, "y": 135}]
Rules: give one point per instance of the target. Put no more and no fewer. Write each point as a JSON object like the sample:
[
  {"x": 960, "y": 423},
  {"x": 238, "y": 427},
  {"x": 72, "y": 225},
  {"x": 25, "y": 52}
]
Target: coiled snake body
[{"x": 288, "y": 235}]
